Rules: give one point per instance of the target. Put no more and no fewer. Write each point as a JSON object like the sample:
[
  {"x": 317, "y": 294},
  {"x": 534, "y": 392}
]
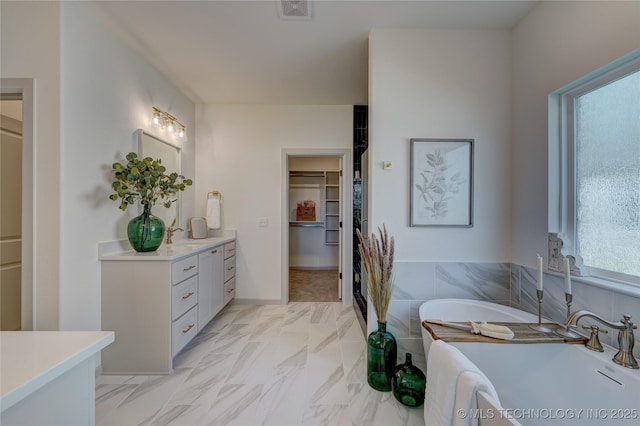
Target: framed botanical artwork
[{"x": 441, "y": 182}]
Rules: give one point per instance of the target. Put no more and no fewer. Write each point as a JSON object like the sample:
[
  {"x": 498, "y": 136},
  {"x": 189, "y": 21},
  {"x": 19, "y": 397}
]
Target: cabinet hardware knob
[
  {"x": 188, "y": 295},
  {"x": 186, "y": 330},
  {"x": 214, "y": 251},
  {"x": 189, "y": 268},
  {"x": 230, "y": 290},
  {"x": 230, "y": 268},
  {"x": 231, "y": 249}
]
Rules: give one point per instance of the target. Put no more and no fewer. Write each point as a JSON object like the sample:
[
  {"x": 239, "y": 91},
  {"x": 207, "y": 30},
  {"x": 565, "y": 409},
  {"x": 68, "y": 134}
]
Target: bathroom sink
[
  {"x": 195, "y": 243},
  {"x": 189, "y": 246},
  {"x": 184, "y": 245}
]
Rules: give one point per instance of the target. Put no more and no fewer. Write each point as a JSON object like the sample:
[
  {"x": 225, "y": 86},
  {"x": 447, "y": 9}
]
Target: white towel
[
  {"x": 469, "y": 384},
  {"x": 444, "y": 393},
  {"x": 213, "y": 213}
]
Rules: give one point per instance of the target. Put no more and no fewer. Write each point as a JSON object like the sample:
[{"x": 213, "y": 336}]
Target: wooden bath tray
[{"x": 522, "y": 334}]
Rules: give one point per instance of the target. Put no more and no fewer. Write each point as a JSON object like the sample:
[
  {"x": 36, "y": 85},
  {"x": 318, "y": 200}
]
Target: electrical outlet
[{"x": 263, "y": 222}]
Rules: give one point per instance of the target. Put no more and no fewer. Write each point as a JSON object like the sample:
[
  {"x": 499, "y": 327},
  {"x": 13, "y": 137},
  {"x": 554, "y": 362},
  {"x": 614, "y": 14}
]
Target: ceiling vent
[{"x": 294, "y": 9}]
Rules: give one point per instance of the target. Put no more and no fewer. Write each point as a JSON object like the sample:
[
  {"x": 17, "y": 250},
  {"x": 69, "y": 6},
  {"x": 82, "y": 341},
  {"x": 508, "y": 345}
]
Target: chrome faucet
[{"x": 626, "y": 339}]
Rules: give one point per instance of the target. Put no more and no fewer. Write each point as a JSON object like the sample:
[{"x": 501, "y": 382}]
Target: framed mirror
[{"x": 154, "y": 147}]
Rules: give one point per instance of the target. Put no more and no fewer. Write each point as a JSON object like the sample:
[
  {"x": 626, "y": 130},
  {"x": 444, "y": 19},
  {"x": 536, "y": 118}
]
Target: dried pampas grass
[{"x": 377, "y": 261}]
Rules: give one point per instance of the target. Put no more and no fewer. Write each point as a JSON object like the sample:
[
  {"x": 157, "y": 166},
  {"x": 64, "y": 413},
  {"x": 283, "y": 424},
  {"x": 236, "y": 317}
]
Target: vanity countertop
[
  {"x": 179, "y": 249},
  {"x": 31, "y": 359}
]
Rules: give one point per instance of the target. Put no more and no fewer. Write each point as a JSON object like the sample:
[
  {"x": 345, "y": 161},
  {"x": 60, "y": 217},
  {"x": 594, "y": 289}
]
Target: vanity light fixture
[
  {"x": 156, "y": 117},
  {"x": 168, "y": 122}
]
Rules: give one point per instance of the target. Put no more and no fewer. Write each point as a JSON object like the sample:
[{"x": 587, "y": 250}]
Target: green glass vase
[
  {"x": 382, "y": 353},
  {"x": 145, "y": 232},
  {"x": 408, "y": 384}
]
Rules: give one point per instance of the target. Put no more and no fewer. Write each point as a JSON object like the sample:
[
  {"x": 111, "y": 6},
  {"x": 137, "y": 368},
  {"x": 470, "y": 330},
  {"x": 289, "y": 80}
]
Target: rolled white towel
[
  {"x": 213, "y": 213},
  {"x": 495, "y": 331}
]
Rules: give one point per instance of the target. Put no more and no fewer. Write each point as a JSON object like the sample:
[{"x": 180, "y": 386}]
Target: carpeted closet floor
[{"x": 313, "y": 285}]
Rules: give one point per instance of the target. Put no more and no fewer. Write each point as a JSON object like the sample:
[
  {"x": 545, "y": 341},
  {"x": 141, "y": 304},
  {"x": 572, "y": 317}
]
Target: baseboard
[
  {"x": 236, "y": 301},
  {"x": 314, "y": 268}
]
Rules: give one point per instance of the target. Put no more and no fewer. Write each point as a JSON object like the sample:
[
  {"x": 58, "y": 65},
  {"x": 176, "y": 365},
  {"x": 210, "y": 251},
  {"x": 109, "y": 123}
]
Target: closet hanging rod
[{"x": 306, "y": 174}]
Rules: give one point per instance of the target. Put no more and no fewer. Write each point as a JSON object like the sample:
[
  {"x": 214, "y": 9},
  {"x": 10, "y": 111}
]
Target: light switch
[
  {"x": 263, "y": 222},
  {"x": 386, "y": 165}
]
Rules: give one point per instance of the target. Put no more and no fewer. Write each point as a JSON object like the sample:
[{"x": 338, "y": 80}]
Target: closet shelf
[{"x": 306, "y": 224}]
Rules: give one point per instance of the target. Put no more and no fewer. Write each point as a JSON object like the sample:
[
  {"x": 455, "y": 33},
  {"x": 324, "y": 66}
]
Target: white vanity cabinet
[
  {"x": 157, "y": 302},
  {"x": 210, "y": 289},
  {"x": 229, "y": 271}
]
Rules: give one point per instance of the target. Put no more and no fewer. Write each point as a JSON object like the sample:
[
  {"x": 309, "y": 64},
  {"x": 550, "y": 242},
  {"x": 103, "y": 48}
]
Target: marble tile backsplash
[
  {"x": 504, "y": 283},
  {"x": 418, "y": 282}
]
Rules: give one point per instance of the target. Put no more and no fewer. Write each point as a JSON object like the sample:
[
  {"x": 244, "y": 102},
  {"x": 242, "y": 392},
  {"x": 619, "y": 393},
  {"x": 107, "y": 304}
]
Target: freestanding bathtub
[{"x": 542, "y": 383}]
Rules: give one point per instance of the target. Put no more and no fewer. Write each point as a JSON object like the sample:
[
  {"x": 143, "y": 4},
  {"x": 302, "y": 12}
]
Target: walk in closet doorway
[{"x": 315, "y": 207}]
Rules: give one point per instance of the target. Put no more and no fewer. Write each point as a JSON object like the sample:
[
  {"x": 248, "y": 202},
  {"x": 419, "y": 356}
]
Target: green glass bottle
[
  {"x": 145, "y": 232},
  {"x": 408, "y": 384},
  {"x": 382, "y": 353}
]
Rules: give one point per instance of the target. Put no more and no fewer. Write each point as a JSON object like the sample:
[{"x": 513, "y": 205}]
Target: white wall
[
  {"x": 30, "y": 47},
  {"x": 441, "y": 84},
  {"x": 239, "y": 152},
  {"x": 554, "y": 45},
  {"x": 107, "y": 93}
]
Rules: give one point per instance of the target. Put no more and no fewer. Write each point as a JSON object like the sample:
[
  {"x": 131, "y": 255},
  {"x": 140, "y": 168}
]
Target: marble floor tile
[
  {"x": 354, "y": 361},
  {"x": 181, "y": 415},
  {"x": 235, "y": 404},
  {"x": 109, "y": 397},
  {"x": 282, "y": 402},
  {"x": 291, "y": 350},
  {"x": 349, "y": 328},
  {"x": 142, "y": 404},
  {"x": 205, "y": 379},
  {"x": 254, "y": 364},
  {"x": 286, "y": 365},
  {"x": 324, "y": 415}
]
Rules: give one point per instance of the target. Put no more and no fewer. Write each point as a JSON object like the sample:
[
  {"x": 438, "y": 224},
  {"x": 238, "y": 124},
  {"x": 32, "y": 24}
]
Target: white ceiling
[{"x": 240, "y": 51}]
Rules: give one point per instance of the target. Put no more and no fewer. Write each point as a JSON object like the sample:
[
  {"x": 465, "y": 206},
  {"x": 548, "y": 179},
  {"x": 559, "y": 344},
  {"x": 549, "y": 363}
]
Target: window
[{"x": 596, "y": 121}]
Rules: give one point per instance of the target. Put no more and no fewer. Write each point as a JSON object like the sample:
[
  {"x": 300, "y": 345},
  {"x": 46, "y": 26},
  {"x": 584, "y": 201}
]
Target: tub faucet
[{"x": 626, "y": 339}]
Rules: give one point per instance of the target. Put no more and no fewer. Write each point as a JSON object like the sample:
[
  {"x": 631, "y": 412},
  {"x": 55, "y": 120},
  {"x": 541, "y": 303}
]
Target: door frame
[
  {"x": 346, "y": 194},
  {"x": 25, "y": 87}
]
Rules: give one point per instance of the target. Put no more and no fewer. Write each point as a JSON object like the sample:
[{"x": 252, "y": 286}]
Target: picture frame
[
  {"x": 198, "y": 228},
  {"x": 441, "y": 182}
]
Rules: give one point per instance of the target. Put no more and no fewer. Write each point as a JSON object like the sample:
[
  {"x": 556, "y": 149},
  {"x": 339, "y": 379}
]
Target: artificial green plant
[{"x": 146, "y": 181}]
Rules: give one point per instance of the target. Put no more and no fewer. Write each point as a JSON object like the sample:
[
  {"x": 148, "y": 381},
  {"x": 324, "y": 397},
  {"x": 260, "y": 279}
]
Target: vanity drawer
[
  {"x": 183, "y": 269},
  {"x": 184, "y": 329},
  {"x": 229, "y": 268},
  {"x": 184, "y": 296},
  {"x": 229, "y": 249},
  {"x": 229, "y": 290}
]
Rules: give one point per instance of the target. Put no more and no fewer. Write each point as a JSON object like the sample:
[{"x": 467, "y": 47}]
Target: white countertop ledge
[
  {"x": 121, "y": 250},
  {"x": 31, "y": 359}
]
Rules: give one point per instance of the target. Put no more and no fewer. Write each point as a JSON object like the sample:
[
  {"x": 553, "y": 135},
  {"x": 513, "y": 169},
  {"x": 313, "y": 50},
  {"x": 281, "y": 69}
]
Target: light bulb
[
  {"x": 170, "y": 127},
  {"x": 156, "y": 118},
  {"x": 181, "y": 132}
]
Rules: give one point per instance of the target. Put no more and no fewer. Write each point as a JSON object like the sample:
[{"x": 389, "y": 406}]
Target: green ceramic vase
[
  {"x": 145, "y": 232},
  {"x": 382, "y": 353},
  {"x": 408, "y": 384}
]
